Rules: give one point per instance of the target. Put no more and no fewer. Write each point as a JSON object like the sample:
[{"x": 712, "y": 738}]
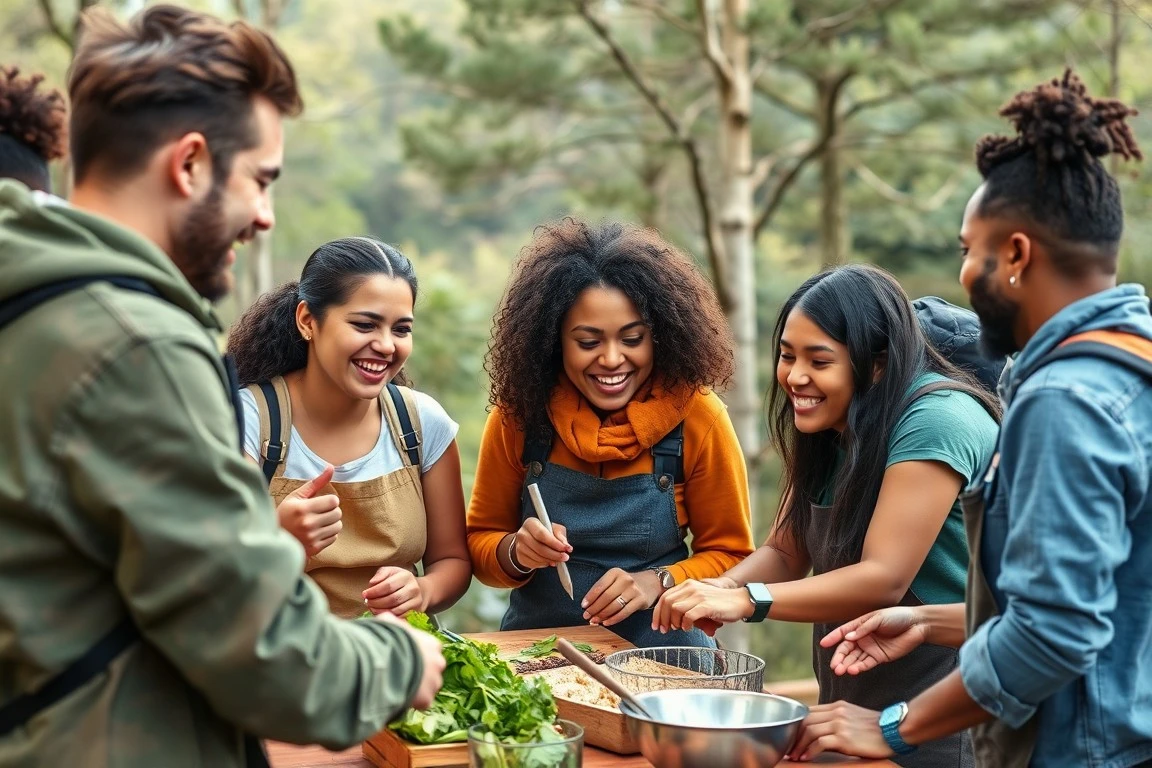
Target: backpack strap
[
  {"x": 668, "y": 455},
  {"x": 1127, "y": 349},
  {"x": 12, "y": 308},
  {"x": 403, "y": 415},
  {"x": 275, "y": 408},
  {"x": 951, "y": 386}
]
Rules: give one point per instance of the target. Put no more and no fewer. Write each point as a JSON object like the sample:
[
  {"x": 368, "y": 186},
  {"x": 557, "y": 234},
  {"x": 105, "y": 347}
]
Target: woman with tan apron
[
  {"x": 365, "y": 473},
  {"x": 878, "y": 433}
]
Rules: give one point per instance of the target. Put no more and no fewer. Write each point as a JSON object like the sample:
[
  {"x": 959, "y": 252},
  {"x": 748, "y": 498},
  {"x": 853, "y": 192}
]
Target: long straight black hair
[{"x": 865, "y": 309}]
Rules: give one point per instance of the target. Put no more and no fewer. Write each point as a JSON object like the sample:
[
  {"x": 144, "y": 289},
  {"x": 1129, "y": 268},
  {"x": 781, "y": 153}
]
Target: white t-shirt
[{"x": 437, "y": 433}]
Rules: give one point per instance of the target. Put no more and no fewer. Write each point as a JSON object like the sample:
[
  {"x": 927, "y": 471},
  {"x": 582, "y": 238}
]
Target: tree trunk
[
  {"x": 833, "y": 212},
  {"x": 736, "y": 231}
]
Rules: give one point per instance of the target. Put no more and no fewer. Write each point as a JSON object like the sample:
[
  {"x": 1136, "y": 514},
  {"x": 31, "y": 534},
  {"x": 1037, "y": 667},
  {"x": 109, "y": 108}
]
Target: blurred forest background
[{"x": 765, "y": 137}]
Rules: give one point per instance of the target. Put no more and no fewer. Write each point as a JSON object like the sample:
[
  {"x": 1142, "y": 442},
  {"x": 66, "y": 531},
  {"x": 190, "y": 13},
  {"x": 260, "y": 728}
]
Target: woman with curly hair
[
  {"x": 605, "y": 355},
  {"x": 32, "y": 128},
  {"x": 365, "y": 473}
]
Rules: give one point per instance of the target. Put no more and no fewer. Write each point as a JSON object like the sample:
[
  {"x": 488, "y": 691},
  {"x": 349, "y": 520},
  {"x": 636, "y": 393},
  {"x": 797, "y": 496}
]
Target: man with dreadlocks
[
  {"x": 31, "y": 128},
  {"x": 1057, "y": 666}
]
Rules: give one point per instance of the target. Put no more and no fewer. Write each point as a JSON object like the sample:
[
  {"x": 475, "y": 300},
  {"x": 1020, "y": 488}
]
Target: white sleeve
[
  {"x": 437, "y": 429},
  {"x": 251, "y": 424}
]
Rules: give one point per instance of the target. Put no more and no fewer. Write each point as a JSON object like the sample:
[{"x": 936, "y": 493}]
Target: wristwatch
[
  {"x": 761, "y": 600},
  {"x": 667, "y": 580},
  {"x": 890, "y": 720}
]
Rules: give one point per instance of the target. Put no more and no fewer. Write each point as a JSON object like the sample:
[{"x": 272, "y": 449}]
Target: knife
[
  {"x": 436, "y": 625},
  {"x": 542, "y": 513}
]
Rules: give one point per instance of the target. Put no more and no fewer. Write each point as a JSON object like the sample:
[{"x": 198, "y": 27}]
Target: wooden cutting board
[{"x": 603, "y": 727}]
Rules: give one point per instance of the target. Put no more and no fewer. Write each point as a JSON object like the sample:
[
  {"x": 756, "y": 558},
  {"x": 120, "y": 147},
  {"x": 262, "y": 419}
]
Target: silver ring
[{"x": 622, "y": 601}]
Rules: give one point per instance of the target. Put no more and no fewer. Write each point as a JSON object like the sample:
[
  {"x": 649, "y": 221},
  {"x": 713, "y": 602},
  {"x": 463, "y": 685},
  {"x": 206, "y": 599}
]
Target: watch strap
[
  {"x": 761, "y": 601},
  {"x": 890, "y": 720}
]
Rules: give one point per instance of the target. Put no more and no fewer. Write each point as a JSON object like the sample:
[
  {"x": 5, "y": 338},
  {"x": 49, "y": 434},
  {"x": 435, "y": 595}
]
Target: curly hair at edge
[
  {"x": 34, "y": 116},
  {"x": 691, "y": 339}
]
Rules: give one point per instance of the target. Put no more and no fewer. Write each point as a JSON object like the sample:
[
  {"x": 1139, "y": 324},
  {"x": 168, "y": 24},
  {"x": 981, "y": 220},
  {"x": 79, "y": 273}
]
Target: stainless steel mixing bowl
[{"x": 694, "y": 728}]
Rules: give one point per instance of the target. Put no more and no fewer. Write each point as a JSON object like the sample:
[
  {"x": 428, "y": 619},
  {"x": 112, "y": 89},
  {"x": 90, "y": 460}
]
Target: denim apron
[
  {"x": 893, "y": 681},
  {"x": 626, "y": 522},
  {"x": 995, "y": 743}
]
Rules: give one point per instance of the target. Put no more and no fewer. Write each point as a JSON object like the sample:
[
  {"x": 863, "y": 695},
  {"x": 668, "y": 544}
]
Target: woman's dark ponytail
[{"x": 265, "y": 340}]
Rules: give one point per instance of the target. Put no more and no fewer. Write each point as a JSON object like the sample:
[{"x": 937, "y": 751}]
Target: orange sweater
[{"x": 712, "y": 502}]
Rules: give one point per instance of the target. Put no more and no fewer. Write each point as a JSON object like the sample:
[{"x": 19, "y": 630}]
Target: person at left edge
[{"x": 607, "y": 341}]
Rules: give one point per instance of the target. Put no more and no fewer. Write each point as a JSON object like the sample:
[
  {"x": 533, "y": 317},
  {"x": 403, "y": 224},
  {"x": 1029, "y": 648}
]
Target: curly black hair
[
  {"x": 1050, "y": 172},
  {"x": 692, "y": 342},
  {"x": 32, "y": 127}
]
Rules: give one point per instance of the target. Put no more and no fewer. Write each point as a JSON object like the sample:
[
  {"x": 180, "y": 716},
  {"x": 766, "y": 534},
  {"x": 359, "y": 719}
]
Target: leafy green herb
[
  {"x": 480, "y": 688},
  {"x": 547, "y": 646}
]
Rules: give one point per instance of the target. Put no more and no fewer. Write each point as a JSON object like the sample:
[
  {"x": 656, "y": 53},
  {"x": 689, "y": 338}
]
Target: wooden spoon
[{"x": 597, "y": 673}]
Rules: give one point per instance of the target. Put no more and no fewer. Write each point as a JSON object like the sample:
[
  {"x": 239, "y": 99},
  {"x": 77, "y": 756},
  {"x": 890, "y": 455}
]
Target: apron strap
[
  {"x": 668, "y": 455},
  {"x": 275, "y": 407},
  {"x": 404, "y": 421}
]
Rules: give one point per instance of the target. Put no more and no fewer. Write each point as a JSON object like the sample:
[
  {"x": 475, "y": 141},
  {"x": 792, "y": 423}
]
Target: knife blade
[
  {"x": 542, "y": 513},
  {"x": 436, "y": 625}
]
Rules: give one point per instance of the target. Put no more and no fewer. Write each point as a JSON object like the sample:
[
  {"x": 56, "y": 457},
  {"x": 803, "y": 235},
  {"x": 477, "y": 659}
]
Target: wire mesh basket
[{"x": 656, "y": 669}]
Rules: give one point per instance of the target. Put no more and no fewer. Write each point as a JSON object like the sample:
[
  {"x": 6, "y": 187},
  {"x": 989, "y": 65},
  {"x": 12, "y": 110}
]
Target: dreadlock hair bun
[
  {"x": 1050, "y": 175},
  {"x": 1061, "y": 123}
]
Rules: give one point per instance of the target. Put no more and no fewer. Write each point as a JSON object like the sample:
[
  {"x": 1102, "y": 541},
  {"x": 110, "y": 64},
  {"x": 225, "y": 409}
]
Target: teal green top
[{"x": 953, "y": 428}]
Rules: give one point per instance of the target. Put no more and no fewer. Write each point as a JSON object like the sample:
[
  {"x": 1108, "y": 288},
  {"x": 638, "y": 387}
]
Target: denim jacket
[{"x": 1067, "y": 548}]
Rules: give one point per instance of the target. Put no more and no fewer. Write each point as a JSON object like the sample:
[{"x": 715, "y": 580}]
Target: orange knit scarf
[{"x": 649, "y": 416}]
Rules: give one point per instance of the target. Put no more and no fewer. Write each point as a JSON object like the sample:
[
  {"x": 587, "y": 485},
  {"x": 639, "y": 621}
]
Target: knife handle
[{"x": 538, "y": 503}]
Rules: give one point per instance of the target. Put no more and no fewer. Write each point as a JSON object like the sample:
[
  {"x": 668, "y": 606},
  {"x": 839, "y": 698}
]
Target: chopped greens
[
  {"x": 480, "y": 688},
  {"x": 545, "y": 647}
]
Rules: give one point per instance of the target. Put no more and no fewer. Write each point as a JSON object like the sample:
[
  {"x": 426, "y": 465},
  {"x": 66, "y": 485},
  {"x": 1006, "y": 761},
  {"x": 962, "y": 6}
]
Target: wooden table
[{"x": 291, "y": 756}]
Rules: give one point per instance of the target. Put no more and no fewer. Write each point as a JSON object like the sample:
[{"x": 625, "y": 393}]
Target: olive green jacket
[{"x": 123, "y": 490}]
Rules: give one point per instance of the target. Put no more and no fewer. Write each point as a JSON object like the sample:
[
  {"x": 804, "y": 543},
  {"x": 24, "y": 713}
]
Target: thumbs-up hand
[{"x": 313, "y": 520}]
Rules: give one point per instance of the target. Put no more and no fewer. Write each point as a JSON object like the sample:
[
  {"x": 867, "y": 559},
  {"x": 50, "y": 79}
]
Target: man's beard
[
  {"x": 997, "y": 318},
  {"x": 200, "y": 248}
]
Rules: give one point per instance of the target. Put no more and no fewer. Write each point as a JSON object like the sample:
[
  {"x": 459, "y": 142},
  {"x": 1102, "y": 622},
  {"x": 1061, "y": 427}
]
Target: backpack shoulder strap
[
  {"x": 951, "y": 386},
  {"x": 275, "y": 407},
  {"x": 399, "y": 406},
  {"x": 12, "y": 308},
  {"x": 1127, "y": 349},
  {"x": 668, "y": 455}
]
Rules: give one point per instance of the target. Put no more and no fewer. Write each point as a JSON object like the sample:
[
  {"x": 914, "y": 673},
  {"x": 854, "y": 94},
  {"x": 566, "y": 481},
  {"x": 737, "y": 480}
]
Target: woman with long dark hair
[
  {"x": 879, "y": 435},
  {"x": 366, "y": 500},
  {"x": 605, "y": 354}
]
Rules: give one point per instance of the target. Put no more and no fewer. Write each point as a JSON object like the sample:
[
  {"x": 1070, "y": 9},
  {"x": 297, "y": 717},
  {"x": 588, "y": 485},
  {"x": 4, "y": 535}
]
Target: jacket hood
[
  {"x": 1123, "y": 308},
  {"x": 44, "y": 240}
]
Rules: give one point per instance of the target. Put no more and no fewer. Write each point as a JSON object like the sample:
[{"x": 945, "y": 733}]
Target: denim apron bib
[
  {"x": 626, "y": 522},
  {"x": 893, "y": 681},
  {"x": 994, "y": 742}
]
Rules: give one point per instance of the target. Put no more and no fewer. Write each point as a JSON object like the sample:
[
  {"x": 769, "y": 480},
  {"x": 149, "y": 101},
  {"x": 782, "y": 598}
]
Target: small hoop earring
[{"x": 309, "y": 338}]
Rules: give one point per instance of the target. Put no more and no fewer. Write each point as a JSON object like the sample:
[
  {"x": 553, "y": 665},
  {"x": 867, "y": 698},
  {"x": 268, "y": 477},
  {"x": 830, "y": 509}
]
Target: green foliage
[{"x": 480, "y": 688}]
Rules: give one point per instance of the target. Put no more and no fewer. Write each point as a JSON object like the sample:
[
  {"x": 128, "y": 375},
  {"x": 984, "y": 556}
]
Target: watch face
[{"x": 892, "y": 715}]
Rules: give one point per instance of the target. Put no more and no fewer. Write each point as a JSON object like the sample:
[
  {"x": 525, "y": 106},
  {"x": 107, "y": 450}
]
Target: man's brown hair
[{"x": 168, "y": 72}]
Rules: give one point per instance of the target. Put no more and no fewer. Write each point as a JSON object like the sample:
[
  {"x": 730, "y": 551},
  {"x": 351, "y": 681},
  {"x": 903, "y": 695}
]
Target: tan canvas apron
[
  {"x": 384, "y": 522},
  {"x": 996, "y": 745}
]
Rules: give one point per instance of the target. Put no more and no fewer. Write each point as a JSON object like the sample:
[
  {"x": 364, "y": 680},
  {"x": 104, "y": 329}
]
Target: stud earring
[
  {"x": 1012, "y": 280},
  {"x": 309, "y": 338}
]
